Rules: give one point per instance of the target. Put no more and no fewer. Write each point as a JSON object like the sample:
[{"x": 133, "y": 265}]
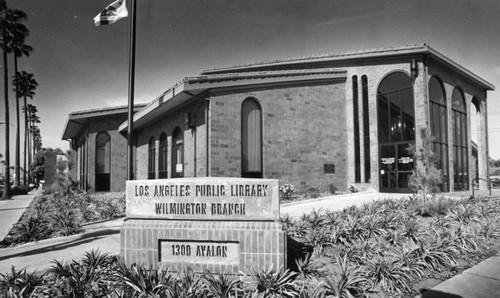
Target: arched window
[
  {"x": 460, "y": 148},
  {"x": 396, "y": 131},
  {"x": 162, "y": 156},
  {"x": 251, "y": 139},
  {"x": 177, "y": 154},
  {"x": 439, "y": 127},
  {"x": 102, "y": 161},
  {"x": 151, "y": 158}
]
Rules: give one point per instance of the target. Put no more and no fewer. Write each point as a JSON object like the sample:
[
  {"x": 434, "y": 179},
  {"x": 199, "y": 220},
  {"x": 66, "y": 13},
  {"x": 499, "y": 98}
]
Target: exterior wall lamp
[{"x": 414, "y": 69}]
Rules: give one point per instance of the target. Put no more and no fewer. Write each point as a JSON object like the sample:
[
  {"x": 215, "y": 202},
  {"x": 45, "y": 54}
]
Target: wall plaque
[{"x": 199, "y": 252}]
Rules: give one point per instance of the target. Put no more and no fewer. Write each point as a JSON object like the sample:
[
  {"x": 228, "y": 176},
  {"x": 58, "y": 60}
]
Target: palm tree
[
  {"x": 19, "y": 49},
  {"x": 26, "y": 87},
  {"x": 32, "y": 119},
  {"x": 10, "y": 23}
]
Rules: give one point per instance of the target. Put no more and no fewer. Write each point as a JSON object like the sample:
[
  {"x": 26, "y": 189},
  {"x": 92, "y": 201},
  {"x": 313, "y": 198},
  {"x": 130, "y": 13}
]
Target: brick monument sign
[{"x": 224, "y": 225}]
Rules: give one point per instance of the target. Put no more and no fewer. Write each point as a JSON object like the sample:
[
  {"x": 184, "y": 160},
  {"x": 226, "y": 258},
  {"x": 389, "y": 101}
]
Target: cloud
[{"x": 363, "y": 16}]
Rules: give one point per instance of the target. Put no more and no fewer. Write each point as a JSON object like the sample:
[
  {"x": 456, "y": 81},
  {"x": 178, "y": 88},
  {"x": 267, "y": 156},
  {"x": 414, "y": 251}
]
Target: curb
[{"x": 86, "y": 234}]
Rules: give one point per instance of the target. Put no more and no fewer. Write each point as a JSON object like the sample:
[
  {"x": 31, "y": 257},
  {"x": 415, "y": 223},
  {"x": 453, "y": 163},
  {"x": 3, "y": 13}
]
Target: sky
[{"x": 79, "y": 66}]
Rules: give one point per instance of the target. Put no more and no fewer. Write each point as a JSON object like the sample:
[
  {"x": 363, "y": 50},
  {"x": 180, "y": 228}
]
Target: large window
[
  {"x": 355, "y": 110},
  {"x": 102, "y": 161},
  {"x": 162, "y": 156},
  {"x": 366, "y": 127},
  {"x": 177, "y": 154},
  {"x": 396, "y": 131},
  {"x": 251, "y": 139},
  {"x": 439, "y": 128},
  {"x": 83, "y": 166},
  {"x": 151, "y": 158},
  {"x": 460, "y": 148}
]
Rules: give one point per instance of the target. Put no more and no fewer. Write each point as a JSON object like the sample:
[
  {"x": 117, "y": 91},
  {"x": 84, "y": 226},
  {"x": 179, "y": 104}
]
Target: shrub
[
  {"x": 352, "y": 189},
  {"x": 313, "y": 192},
  {"x": 426, "y": 178},
  {"x": 431, "y": 206},
  {"x": 274, "y": 283},
  {"x": 27, "y": 230},
  {"x": 20, "y": 283},
  {"x": 221, "y": 285},
  {"x": 86, "y": 278},
  {"x": 345, "y": 280},
  {"x": 287, "y": 192},
  {"x": 332, "y": 188},
  {"x": 142, "y": 281}
]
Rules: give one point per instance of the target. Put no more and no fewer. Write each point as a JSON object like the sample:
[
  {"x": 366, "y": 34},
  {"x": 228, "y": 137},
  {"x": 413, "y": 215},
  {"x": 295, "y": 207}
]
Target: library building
[{"x": 343, "y": 119}]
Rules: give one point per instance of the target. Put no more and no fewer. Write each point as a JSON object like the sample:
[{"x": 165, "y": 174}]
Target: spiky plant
[
  {"x": 345, "y": 280},
  {"x": 144, "y": 282},
  {"x": 29, "y": 229},
  {"x": 271, "y": 283},
  {"x": 81, "y": 279},
  {"x": 387, "y": 274},
  {"x": 221, "y": 285},
  {"x": 489, "y": 229},
  {"x": 186, "y": 284},
  {"x": 20, "y": 283},
  {"x": 407, "y": 256}
]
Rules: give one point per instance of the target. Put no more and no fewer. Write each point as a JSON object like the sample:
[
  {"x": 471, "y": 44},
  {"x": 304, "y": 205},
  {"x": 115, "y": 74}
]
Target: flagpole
[{"x": 131, "y": 79}]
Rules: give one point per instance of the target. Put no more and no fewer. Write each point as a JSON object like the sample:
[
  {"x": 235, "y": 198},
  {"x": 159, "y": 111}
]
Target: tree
[
  {"x": 19, "y": 49},
  {"x": 426, "y": 178},
  {"x": 10, "y": 21},
  {"x": 32, "y": 129},
  {"x": 26, "y": 86}
]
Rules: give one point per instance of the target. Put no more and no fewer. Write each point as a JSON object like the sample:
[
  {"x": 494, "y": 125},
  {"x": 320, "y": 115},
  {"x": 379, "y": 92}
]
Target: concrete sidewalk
[
  {"x": 480, "y": 281},
  {"x": 11, "y": 211}
]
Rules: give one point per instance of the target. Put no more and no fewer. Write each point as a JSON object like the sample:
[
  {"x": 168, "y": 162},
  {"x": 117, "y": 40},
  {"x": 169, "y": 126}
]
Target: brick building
[
  {"x": 345, "y": 119},
  {"x": 98, "y": 150}
]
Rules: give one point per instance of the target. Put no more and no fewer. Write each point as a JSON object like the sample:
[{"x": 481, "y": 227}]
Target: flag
[{"x": 112, "y": 13}]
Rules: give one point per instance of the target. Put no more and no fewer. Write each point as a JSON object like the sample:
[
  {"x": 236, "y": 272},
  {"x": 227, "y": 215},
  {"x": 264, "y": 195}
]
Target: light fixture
[
  {"x": 398, "y": 126},
  {"x": 414, "y": 68}
]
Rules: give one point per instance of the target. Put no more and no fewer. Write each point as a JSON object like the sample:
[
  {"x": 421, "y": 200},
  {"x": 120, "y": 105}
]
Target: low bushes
[
  {"x": 61, "y": 211},
  {"x": 389, "y": 246},
  {"x": 288, "y": 192}
]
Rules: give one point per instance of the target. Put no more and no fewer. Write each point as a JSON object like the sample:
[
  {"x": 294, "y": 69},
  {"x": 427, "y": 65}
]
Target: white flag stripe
[{"x": 112, "y": 13}]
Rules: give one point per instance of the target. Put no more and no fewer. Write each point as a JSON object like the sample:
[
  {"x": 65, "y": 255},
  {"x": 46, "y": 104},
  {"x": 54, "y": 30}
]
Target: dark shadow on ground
[
  {"x": 438, "y": 294},
  {"x": 85, "y": 238},
  {"x": 295, "y": 250},
  {"x": 9, "y": 209}
]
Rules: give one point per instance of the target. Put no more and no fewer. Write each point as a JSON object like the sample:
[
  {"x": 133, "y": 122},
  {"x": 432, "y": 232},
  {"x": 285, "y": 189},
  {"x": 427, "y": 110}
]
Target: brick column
[{"x": 483, "y": 150}]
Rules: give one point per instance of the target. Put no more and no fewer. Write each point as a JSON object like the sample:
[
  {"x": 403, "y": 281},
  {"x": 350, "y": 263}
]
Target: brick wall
[
  {"x": 303, "y": 129},
  {"x": 118, "y": 174},
  {"x": 194, "y": 157}
]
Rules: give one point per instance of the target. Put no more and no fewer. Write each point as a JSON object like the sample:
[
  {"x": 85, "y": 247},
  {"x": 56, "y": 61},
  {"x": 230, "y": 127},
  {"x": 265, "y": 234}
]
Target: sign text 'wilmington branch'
[{"x": 203, "y": 191}]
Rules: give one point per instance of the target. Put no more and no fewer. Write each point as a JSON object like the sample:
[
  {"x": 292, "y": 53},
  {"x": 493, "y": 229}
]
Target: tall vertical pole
[{"x": 131, "y": 79}]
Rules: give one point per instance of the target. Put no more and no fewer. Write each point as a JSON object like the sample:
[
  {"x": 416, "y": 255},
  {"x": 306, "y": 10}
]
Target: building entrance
[
  {"x": 396, "y": 132},
  {"x": 396, "y": 165}
]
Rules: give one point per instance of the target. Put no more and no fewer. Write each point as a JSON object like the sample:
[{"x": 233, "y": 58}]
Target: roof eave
[{"x": 192, "y": 87}]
